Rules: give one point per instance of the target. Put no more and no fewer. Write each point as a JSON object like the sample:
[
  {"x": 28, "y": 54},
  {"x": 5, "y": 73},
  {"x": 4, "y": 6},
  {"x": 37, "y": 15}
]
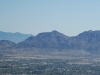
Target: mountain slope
[
  {"x": 52, "y": 39},
  {"x": 88, "y": 40},
  {"x": 15, "y": 37},
  {"x": 6, "y": 43}
]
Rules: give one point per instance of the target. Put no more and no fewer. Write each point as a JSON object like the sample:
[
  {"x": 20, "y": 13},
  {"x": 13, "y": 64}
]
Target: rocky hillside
[
  {"x": 6, "y": 43},
  {"x": 88, "y": 40},
  {"x": 52, "y": 39}
]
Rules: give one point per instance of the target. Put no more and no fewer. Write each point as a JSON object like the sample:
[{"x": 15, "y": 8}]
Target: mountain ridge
[
  {"x": 58, "y": 40},
  {"x": 87, "y": 40},
  {"x": 14, "y": 37},
  {"x": 45, "y": 40}
]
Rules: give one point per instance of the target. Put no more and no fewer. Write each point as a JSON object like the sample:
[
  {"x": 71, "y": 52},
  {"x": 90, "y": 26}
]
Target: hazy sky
[{"x": 70, "y": 17}]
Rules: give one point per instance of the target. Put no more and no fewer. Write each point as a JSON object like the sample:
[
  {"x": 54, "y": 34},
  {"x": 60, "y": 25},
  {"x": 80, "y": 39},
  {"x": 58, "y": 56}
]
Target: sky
[{"x": 69, "y": 17}]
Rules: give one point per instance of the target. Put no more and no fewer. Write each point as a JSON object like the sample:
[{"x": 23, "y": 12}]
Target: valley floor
[{"x": 30, "y": 62}]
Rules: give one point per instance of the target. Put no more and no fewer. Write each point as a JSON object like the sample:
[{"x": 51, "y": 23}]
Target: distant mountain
[
  {"x": 88, "y": 40},
  {"x": 6, "y": 43},
  {"x": 15, "y": 37}
]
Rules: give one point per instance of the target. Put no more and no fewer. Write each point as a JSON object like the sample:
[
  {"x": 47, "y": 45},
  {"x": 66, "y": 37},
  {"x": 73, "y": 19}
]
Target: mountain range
[
  {"x": 14, "y": 37},
  {"x": 88, "y": 40}
]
